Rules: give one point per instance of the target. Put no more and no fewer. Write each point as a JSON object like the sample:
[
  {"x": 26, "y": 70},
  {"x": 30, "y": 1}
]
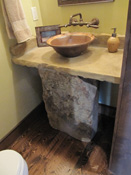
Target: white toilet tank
[{"x": 12, "y": 163}]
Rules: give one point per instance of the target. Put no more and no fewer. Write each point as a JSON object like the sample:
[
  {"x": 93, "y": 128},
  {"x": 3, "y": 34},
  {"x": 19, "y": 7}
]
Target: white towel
[{"x": 15, "y": 21}]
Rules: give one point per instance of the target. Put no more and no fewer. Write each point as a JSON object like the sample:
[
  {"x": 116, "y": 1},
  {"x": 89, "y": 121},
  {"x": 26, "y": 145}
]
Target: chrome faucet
[{"x": 74, "y": 22}]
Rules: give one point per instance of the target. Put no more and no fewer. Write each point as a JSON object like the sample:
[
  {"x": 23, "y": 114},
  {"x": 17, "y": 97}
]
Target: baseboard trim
[
  {"x": 22, "y": 126},
  {"x": 34, "y": 115}
]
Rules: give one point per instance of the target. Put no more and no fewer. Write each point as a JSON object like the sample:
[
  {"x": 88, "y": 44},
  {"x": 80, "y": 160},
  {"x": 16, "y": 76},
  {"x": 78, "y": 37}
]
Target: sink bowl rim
[{"x": 92, "y": 37}]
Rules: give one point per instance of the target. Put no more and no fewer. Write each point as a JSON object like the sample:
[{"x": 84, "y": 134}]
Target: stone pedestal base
[{"x": 71, "y": 103}]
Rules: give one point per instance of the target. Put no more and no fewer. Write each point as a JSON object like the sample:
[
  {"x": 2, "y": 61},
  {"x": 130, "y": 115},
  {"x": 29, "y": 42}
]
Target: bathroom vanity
[
  {"x": 70, "y": 85},
  {"x": 96, "y": 63}
]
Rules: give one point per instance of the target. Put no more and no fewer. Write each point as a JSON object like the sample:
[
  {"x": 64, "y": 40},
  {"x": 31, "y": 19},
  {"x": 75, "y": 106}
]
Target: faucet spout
[
  {"x": 74, "y": 22},
  {"x": 71, "y": 18}
]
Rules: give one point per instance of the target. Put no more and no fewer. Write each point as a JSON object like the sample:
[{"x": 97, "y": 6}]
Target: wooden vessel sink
[{"x": 70, "y": 44}]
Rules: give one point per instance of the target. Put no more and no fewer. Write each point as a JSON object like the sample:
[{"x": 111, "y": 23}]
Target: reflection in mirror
[{"x": 71, "y": 2}]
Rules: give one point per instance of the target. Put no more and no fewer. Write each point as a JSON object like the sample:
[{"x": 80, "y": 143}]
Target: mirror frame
[{"x": 72, "y": 2}]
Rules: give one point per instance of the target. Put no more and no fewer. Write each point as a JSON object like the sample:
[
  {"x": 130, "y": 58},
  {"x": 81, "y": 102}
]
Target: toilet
[{"x": 12, "y": 163}]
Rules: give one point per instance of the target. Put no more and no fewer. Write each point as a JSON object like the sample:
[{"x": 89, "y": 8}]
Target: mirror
[{"x": 71, "y": 2}]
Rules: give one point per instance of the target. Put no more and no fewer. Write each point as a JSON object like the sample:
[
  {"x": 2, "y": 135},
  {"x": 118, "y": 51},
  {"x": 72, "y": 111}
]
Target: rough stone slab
[
  {"x": 96, "y": 63},
  {"x": 71, "y": 103}
]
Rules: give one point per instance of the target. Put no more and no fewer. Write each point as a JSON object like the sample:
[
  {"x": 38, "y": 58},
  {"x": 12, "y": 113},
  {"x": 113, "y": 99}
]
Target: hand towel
[{"x": 15, "y": 21}]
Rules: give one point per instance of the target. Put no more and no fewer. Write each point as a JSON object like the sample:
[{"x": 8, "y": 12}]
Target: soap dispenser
[{"x": 113, "y": 42}]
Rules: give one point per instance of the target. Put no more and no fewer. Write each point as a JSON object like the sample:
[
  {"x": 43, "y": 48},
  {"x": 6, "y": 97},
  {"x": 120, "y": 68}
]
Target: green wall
[
  {"x": 20, "y": 87},
  {"x": 112, "y": 14}
]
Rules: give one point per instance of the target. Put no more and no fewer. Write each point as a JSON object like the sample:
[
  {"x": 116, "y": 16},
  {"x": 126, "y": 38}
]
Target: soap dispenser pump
[{"x": 113, "y": 42}]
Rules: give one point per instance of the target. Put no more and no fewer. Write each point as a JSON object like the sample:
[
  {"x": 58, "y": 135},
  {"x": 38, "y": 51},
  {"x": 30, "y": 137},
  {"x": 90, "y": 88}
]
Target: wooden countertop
[{"x": 96, "y": 63}]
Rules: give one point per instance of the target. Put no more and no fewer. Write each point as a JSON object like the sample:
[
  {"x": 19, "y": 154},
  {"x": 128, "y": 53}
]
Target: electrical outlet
[{"x": 34, "y": 13}]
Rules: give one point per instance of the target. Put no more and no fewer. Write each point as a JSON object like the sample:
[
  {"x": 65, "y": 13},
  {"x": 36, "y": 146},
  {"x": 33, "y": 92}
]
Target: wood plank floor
[{"x": 51, "y": 152}]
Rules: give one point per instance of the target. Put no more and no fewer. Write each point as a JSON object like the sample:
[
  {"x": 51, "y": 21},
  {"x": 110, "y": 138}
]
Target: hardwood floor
[{"x": 51, "y": 152}]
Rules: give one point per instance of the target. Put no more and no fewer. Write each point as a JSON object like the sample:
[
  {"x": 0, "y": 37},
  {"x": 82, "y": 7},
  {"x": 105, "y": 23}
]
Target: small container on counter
[{"x": 113, "y": 42}]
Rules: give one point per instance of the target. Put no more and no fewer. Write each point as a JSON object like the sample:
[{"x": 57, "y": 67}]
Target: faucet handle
[{"x": 94, "y": 23}]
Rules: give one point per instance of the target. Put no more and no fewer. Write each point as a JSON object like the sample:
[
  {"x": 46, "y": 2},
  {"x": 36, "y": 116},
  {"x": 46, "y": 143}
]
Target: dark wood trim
[
  {"x": 120, "y": 160},
  {"x": 72, "y": 2},
  {"x": 22, "y": 126},
  {"x": 38, "y": 112}
]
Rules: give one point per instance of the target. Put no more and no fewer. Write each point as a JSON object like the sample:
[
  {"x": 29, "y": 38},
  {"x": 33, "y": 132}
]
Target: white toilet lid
[{"x": 11, "y": 162}]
